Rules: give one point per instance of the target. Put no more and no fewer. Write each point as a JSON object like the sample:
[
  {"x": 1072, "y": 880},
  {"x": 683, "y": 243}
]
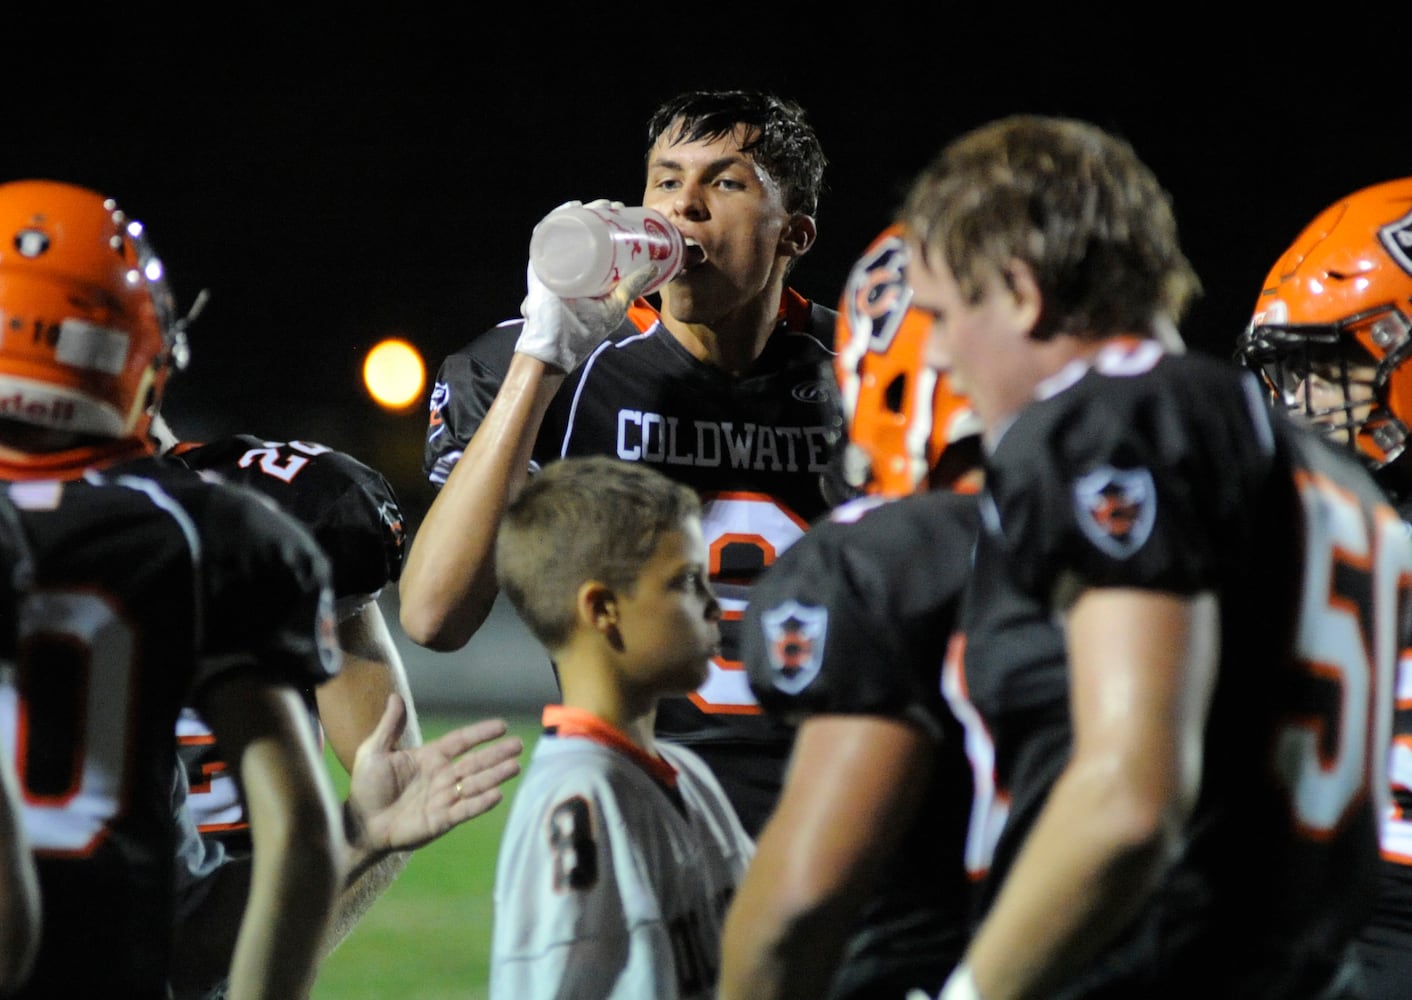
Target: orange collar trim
[
  {"x": 643, "y": 315},
  {"x": 74, "y": 462},
  {"x": 567, "y": 721},
  {"x": 794, "y": 310}
]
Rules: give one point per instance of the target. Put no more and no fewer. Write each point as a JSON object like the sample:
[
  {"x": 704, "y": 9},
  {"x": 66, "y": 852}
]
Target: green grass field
[{"x": 428, "y": 936}]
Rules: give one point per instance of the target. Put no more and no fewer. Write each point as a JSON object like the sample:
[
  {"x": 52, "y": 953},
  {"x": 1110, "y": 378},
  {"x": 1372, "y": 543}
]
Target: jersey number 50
[{"x": 1357, "y": 567}]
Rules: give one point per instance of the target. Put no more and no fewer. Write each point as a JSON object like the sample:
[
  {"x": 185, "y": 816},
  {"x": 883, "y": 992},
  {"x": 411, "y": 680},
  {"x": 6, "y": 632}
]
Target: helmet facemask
[
  {"x": 1332, "y": 327},
  {"x": 1341, "y": 378}
]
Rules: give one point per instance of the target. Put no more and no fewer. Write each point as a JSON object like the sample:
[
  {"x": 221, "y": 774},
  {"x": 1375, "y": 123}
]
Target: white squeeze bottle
[{"x": 581, "y": 251}]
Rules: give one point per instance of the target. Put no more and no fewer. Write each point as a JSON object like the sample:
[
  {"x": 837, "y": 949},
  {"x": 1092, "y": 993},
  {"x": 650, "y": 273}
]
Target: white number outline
[
  {"x": 735, "y": 518},
  {"x": 1332, "y": 646},
  {"x": 274, "y": 463},
  {"x": 73, "y": 824}
]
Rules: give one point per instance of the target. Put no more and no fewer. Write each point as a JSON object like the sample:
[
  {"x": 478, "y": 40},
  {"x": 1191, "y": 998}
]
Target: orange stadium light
[{"x": 394, "y": 374}]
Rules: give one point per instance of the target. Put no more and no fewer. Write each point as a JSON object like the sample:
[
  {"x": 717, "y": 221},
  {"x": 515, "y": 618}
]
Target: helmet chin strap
[
  {"x": 161, "y": 433},
  {"x": 177, "y": 355},
  {"x": 179, "y": 352}
]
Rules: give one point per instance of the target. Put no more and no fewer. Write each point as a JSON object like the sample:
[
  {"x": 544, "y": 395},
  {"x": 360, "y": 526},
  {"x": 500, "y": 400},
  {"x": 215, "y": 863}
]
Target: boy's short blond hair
[{"x": 585, "y": 518}]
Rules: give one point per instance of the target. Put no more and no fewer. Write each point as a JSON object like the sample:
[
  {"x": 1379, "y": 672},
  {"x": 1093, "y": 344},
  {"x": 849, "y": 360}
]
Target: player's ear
[
  {"x": 798, "y": 235},
  {"x": 596, "y": 606},
  {"x": 1025, "y": 299}
]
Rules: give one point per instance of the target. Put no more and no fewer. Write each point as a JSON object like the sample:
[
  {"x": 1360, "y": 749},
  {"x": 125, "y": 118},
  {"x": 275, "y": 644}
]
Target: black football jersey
[
  {"x": 1387, "y": 937},
  {"x": 854, "y": 619},
  {"x": 355, "y": 517},
  {"x": 351, "y": 508},
  {"x": 1171, "y": 473},
  {"x": 756, "y": 447},
  {"x": 122, "y": 596}
]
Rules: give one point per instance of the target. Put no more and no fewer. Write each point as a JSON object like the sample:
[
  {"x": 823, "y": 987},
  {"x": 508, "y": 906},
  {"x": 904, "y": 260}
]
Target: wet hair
[
  {"x": 1072, "y": 201},
  {"x": 784, "y": 143},
  {"x": 578, "y": 519}
]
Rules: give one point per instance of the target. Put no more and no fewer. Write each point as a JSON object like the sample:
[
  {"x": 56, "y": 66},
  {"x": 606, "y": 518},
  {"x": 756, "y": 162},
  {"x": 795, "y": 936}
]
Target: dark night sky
[{"x": 334, "y": 182}]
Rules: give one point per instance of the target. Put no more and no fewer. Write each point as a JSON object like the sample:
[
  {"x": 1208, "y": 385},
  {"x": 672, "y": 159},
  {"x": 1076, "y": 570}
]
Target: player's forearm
[
  {"x": 298, "y": 854},
  {"x": 779, "y": 952},
  {"x": 19, "y": 890},
  {"x": 286, "y": 919},
  {"x": 793, "y": 913},
  {"x": 447, "y": 586},
  {"x": 1092, "y": 857},
  {"x": 285, "y": 923},
  {"x": 351, "y": 703},
  {"x": 19, "y": 922},
  {"x": 369, "y": 880},
  {"x": 378, "y": 865},
  {"x": 853, "y": 789}
]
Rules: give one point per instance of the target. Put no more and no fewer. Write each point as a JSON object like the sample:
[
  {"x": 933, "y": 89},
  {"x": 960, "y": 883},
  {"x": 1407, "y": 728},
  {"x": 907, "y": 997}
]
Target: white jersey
[{"x": 608, "y": 883}]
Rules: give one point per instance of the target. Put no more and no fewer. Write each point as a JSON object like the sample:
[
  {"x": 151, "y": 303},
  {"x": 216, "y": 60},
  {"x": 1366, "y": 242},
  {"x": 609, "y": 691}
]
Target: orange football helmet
[
  {"x": 1336, "y": 312},
  {"x": 89, "y": 326},
  {"x": 902, "y": 415}
]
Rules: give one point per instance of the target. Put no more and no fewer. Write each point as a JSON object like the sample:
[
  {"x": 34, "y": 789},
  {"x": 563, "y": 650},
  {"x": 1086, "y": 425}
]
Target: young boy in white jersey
[{"x": 621, "y": 852}]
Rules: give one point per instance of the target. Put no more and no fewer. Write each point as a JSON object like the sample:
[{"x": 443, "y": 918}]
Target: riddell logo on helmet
[
  {"x": 51, "y": 412},
  {"x": 47, "y": 404}
]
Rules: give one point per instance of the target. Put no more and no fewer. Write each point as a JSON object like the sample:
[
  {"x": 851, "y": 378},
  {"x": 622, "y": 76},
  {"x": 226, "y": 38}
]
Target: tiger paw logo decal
[
  {"x": 1396, "y": 238},
  {"x": 794, "y": 640},
  {"x": 1116, "y": 509}
]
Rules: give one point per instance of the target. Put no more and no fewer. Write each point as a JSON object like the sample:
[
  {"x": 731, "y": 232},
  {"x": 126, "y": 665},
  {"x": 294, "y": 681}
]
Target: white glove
[{"x": 563, "y": 332}]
